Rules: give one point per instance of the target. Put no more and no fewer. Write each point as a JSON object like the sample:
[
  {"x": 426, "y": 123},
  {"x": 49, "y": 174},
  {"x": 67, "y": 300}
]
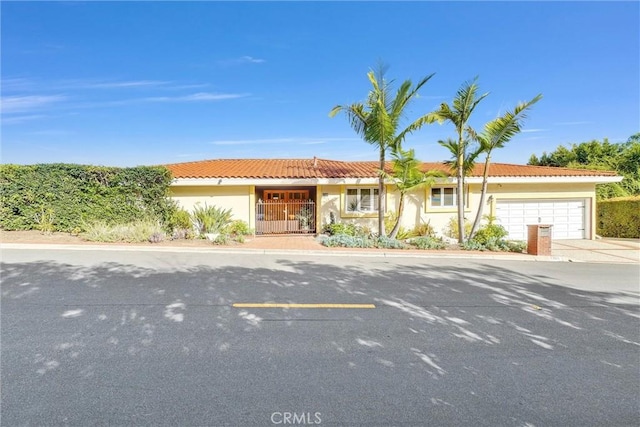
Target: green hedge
[
  {"x": 619, "y": 217},
  {"x": 64, "y": 197}
]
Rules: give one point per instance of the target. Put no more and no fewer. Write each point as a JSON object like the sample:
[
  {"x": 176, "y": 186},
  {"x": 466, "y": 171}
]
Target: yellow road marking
[{"x": 294, "y": 305}]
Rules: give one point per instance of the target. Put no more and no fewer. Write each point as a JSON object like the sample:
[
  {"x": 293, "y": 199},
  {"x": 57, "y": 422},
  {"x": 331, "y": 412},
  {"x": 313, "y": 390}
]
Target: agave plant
[{"x": 210, "y": 219}]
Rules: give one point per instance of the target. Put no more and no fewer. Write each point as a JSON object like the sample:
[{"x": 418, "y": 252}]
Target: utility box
[{"x": 539, "y": 239}]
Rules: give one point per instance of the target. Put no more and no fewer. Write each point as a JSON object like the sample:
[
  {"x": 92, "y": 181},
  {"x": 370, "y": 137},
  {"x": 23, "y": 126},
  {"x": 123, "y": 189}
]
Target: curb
[{"x": 248, "y": 251}]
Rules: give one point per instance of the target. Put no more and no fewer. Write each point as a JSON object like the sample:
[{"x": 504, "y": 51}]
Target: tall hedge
[
  {"x": 619, "y": 217},
  {"x": 71, "y": 195}
]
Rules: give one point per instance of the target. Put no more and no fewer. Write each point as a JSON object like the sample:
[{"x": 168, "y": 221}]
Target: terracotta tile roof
[{"x": 305, "y": 168}]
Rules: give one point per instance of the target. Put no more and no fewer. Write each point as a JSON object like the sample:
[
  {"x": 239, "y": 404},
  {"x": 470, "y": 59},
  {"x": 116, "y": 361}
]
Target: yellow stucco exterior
[
  {"x": 240, "y": 199},
  {"x": 332, "y": 199}
]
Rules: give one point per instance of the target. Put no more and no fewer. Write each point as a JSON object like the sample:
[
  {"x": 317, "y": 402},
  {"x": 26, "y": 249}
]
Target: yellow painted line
[{"x": 295, "y": 305}]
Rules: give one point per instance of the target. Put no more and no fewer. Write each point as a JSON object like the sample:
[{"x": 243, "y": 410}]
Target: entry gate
[{"x": 285, "y": 217}]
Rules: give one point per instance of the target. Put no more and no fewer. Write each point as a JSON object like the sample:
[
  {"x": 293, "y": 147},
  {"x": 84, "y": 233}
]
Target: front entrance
[{"x": 285, "y": 211}]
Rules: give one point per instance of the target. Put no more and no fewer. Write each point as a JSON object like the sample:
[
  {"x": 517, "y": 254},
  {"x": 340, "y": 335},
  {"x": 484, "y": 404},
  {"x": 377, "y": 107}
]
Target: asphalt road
[{"x": 144, "y": 338}]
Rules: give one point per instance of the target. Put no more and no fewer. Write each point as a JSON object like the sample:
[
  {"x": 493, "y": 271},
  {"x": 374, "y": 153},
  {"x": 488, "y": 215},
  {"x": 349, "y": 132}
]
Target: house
[{"x": 302, "y": 195}]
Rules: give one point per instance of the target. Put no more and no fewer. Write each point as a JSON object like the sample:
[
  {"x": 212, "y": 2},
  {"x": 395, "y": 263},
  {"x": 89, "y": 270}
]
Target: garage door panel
[{"x": 566, "y": 216}]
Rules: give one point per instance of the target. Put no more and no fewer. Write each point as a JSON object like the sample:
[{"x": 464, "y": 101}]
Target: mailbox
[{"x": 539, "y": 239}]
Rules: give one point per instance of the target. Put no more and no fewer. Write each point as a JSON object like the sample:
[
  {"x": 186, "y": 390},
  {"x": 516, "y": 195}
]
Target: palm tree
[
  {"x": 458, "y": 114},
  {"x": 407, "y": 175},
  {"x": 378, "y": 119},
  {"x": 469, "y": 156},
  {"x": 496, "y": 134}
]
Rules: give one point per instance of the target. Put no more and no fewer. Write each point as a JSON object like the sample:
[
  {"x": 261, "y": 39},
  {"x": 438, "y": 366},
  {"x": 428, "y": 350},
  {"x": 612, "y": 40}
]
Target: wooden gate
[{"x": 276, "y": 216}]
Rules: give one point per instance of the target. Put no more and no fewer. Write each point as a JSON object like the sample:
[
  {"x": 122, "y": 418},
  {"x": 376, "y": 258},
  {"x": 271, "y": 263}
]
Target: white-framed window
[
  {"x": 362, "y": 200},
  {"x": 444, "y": 197}
]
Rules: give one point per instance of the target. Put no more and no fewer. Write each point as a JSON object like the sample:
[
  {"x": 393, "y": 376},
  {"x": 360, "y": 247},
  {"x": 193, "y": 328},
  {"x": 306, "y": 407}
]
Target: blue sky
[{"x": 129, "y": 83}]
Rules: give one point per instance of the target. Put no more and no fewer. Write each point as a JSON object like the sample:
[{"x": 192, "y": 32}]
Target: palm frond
[{"x": 501, "y": 130}]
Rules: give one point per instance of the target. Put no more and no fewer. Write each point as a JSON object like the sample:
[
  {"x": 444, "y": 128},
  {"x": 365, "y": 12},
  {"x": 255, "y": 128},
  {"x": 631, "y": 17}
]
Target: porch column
[
  {"x": 318, "y": 209},
  {"x": 252, "y": 207}
]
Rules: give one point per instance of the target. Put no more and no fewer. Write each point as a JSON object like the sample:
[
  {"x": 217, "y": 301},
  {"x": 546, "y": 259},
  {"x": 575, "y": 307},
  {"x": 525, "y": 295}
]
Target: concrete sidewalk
[{"x": 624, "y": 251}]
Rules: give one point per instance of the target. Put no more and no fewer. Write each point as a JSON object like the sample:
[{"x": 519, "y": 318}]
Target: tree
[
  {"x": 458, "y": 114},
  {"x": 469, "y": 155},
  {"x": 495, "y": 135},
  {"x": 623, "y": 158},
  {"x": 407, "y": 175},
  {"x": 378, "y": 121}
]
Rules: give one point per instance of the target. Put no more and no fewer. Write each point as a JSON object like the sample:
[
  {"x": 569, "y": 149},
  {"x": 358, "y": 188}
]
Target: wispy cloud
[
  {"x": 16, "y": 84},
  {"x": 195, "y": 97},
  {"x": 22, "y": 84},
  {"x": 12, "y": 120},
  {"x": 242, "y": 60},
  {"x": 52, "y": 132},
  {"x": 533, "y": 130},
  {"x": 432, "y": 96},
  {"x": 22, "y": 104},
  {"x": 124, "y": 84},
  {"x": 266, "y": 141},
  {"x": 571, "y": 123}
]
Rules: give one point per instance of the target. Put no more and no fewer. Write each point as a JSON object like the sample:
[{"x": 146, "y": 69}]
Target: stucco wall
[
  {"x": 330, "y": 198},
  {"x": 417, "y": 209},
  {"x": 238, "y": 199},
  {"x": 439, "y": 217}
]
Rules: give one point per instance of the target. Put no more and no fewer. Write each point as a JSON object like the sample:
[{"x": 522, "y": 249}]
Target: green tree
[
  {"x": 465, "y": 101},
  {"x": 407, "y": 175},
  {"x": 378, "y": 121},
  {"x": 495, "y": 135},
  {"x": 623, "y": 158}
]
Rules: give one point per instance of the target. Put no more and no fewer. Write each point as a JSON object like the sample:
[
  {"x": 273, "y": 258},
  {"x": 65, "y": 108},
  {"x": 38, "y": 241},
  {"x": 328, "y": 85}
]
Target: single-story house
[{"x": 302, "y": 195}]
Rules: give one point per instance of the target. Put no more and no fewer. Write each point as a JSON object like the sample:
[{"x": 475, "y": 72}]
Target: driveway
[{"x": 625, "y": 251}]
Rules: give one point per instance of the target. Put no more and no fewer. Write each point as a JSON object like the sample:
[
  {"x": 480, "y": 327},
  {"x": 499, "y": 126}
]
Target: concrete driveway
[{"x": 625, "y": 251}]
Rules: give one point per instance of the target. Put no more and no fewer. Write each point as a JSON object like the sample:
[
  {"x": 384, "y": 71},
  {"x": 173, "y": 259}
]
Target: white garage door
[{"x": 567, "y": 217}]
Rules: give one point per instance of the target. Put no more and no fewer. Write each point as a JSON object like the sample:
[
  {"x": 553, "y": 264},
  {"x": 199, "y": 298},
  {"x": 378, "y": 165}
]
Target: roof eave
[{"x": 184, "y": 182}]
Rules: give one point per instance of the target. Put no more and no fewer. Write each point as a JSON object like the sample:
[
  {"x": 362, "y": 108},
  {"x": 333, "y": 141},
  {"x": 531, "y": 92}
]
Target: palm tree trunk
[
  {"x": 396, "y": 226},
  {"x": 460, "y": 195},
  {"x": 381, "y": 205},
  {"x": 483, "y": 195}
]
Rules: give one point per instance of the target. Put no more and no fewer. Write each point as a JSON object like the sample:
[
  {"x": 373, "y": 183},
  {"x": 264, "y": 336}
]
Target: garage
[{"x": 567, "y": 216}]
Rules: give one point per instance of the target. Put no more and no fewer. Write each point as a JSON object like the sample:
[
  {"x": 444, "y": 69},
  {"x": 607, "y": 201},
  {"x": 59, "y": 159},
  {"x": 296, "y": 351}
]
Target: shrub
[
  {"x": 222, "y": 239},
  {"x": 452, "y": 228},
  {"x": 423, "y": 230},
  {"x": 156, "y": 237},
  {"x": 348, "y": 229},
  {"x": 44, "y": 220},
  {"x": 428, "y": 242},
  {"x": 472, "y": 245},
  {"x": 79, "y": 195},
  {"x": 239, "y": 228},
  {"x": 489, "y": 233},
  {"x": 385, "y": 242},
  {"x": 133, "y": 232},
  {"x": 517, "y": 246},
  {"x": 179, "y": 220},
  {"x": 346, "y": 241},
  {"x": 619, "y": 217},
  {"x": 182, "y": 233},
  {"x": 211, "y": 219}
]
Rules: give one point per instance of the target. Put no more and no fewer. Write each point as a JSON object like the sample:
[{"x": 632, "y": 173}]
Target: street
[{"x": 152, "y": 338}]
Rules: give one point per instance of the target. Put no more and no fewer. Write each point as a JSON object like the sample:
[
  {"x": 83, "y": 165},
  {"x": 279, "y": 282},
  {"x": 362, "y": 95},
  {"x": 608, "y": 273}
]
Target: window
[
  {"x": 445, "y": 197},
  {"x": 362, "y": 200}
]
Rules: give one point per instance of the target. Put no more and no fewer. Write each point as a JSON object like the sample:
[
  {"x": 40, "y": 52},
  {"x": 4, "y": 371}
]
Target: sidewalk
[
  {"x": 618, "y": 251},
  {"x": 623, "y": 251}
]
